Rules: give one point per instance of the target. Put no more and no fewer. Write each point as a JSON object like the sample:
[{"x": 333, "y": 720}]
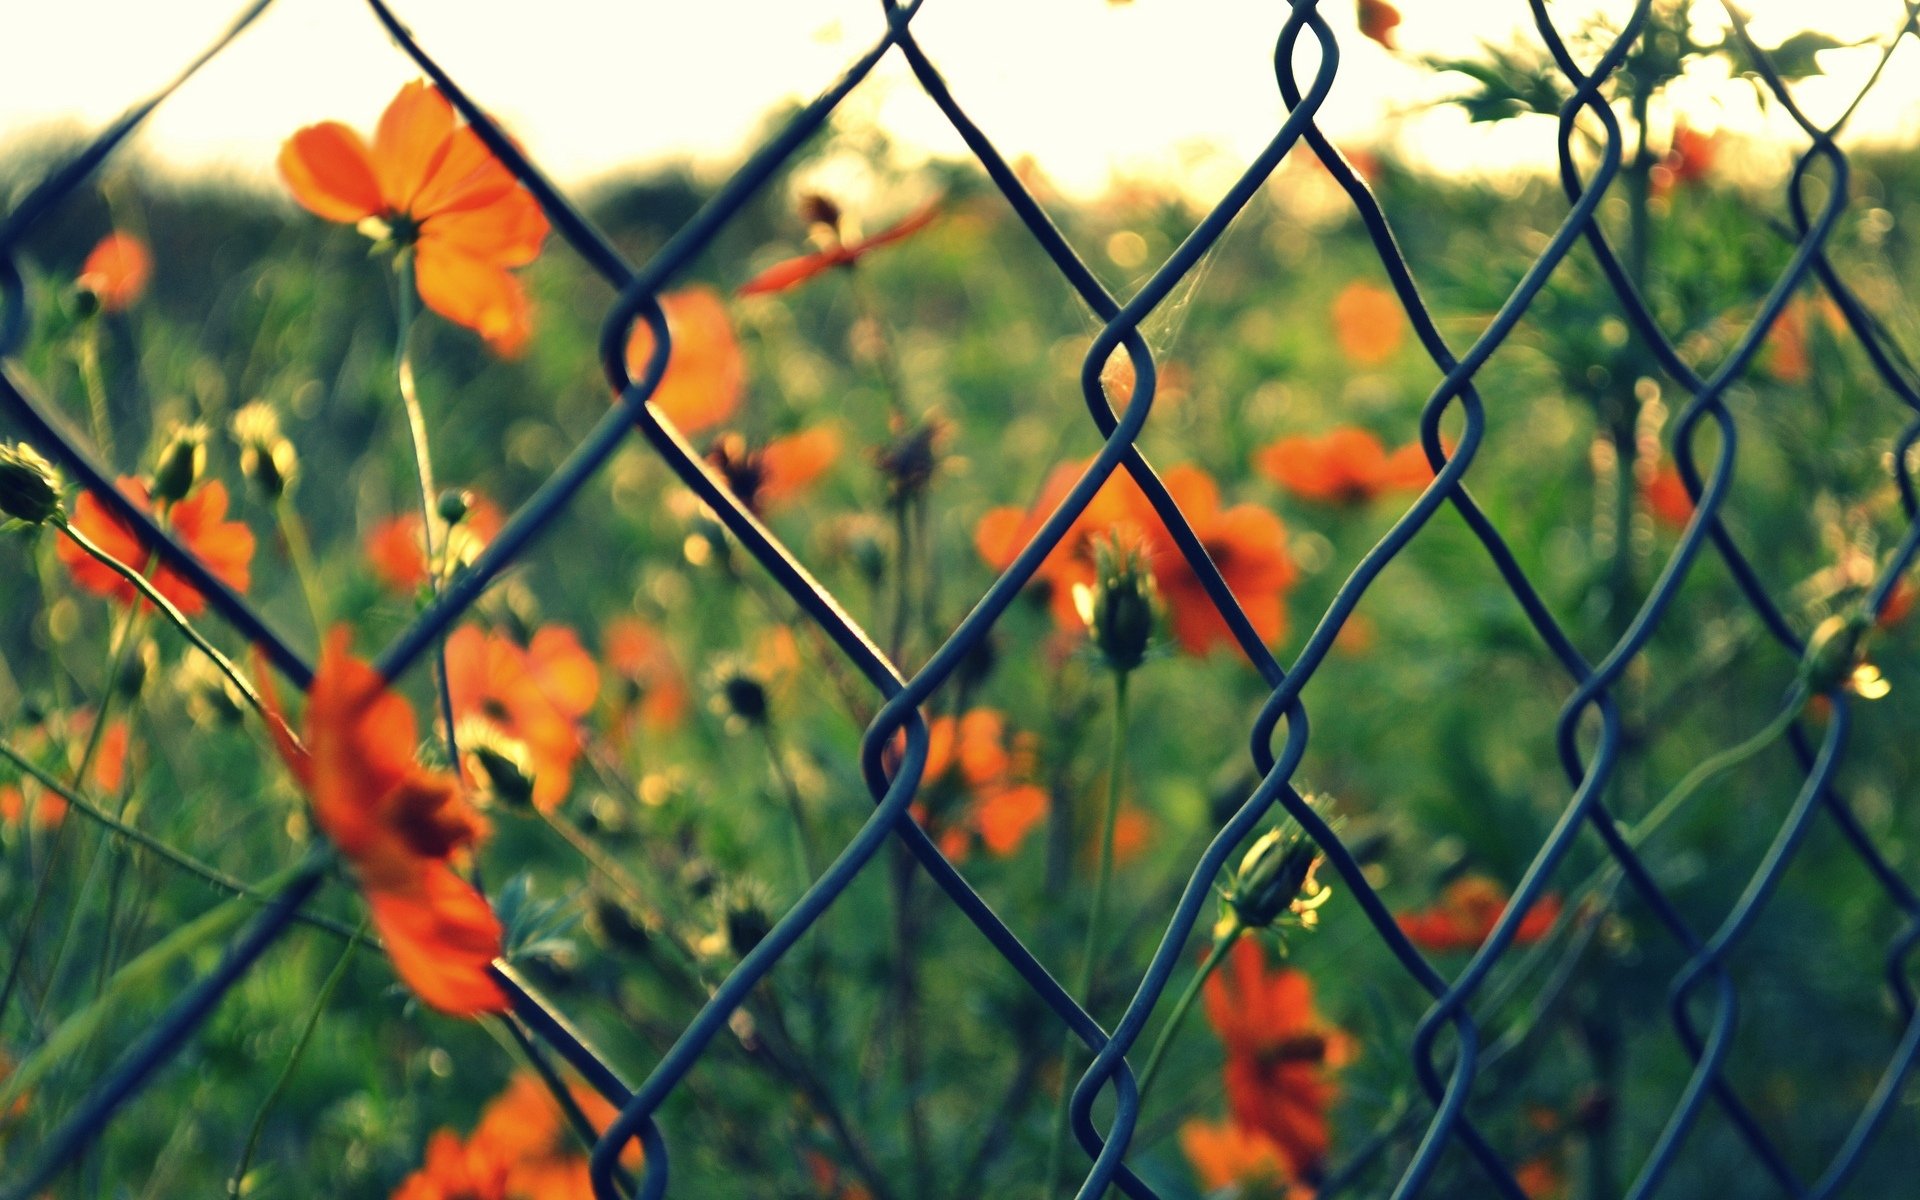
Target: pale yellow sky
[{"x": 596, "y": 86}]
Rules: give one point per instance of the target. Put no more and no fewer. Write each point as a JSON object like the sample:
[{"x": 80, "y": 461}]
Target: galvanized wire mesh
[{"x": 1449, "y": 1051}]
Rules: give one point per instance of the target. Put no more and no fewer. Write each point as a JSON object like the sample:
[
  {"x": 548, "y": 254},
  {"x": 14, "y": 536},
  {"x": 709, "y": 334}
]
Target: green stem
[
  {"x": 1714, "y": 765},
  {"x": 1223, "y": 941},
  {"x": 176, "y": 617},
  {"x": 237, "y": 1183},
  {"x": 293, "y": 531},
  {"x": 1090, "y": 950},
  {"x": 596, "y": 858},
  {"x": 91, "y": 378},
  {"x": 142, "y": 975},
  {"x": 804, "y": 860}
]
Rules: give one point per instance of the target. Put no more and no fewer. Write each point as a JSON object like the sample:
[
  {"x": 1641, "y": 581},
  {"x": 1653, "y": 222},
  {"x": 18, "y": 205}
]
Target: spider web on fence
[{"x": 1448, "y": 1050}]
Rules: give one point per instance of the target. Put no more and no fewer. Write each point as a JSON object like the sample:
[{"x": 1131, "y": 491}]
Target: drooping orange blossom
[
  {"x": 428, "y": 182},
  {"x": 534, "y": 694},
  {"x": 793, "y": 272},
  {"x": 399, "y": 825}
]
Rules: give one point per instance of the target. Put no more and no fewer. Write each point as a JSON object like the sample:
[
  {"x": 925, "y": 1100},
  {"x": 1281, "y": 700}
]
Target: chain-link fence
[{"x": 1450, "y": 1053}]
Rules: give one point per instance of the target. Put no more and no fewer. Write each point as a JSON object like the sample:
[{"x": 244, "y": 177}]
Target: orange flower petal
[
  {"x": 442, "y": 938},
  {"x": 1378, "y": 20},
  {"x": 1368, "y": 323},
  {"x": 1007, "y": 816},
  {"x": 474, "y": 292},
  {"x": 506, "y": 232},
  {"x": 329, "y": 170},
  {"x": 565, "y": 672},
  {"x": 117, "y": 271},
  {"x": 793, "y": 272},
  {"x": 409, "y": 143},
  {"x": 790, "y": 465},
  {"x": 705, "y": 372}
]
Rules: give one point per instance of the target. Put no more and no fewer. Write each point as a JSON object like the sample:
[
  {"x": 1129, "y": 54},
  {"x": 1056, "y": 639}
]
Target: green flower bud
[
  {"x": 30, "y": 489},
  {"x": 266, "y": 457},
  {"x": 1272, "y": 875},
  {"x": 618, "y": 926},
  {"x": 182, "y": 461},
  {"x": 501, "y": 761},
  {"x": 1121, "y": 609},
  {"x": 453, "y": 505}
]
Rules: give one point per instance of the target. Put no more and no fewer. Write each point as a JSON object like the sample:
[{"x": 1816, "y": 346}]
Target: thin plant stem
[
  {"x": 406, "y": 306},
  {"x": 1090, "y": 950},
  {"x": 293, "y": 532},
  {"x": 237, "y": 1181},
  {"x": 87, "y": 358},
  {"x": 595, "y": 857},
  {"x": 805, "y": 861},
  {"x": 1223, "y": 941}
]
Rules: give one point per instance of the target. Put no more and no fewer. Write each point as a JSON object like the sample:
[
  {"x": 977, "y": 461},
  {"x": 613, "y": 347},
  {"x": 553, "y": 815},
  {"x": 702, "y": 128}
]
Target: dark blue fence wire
[{"x": 1446, "y": 1071}]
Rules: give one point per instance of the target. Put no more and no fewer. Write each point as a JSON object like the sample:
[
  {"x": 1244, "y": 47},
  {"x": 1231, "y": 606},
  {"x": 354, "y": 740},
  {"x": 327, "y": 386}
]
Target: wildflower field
[{"x": 606, "y": 782}]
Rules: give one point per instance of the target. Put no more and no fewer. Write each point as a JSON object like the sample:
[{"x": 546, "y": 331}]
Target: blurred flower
[
  {"x": 653, "y": 692},
  {"x": 199, "y": 522},
  {"x": 1247, "y": 545},
  {"x": 1466, "y": 913},
  {"x": 117, "y": 271},
  {"x": 766, "y": 477},
  {"x": 180, "y": 463},
  {"x": 1347, "y": 465},
  {"x": 1227, "y": 1154},
  {"x": 1368, "y": 323},
  {"x": 910, "y": 458},
  {"x": 970, "y": 758},
  {"x": 397, "y": 552},
  {"x": 831, "y": 1180},
  {"x": 432, "y": 184},
  {"x": 836, "y": 253},
  {"x": 105, "y": 775},
  {"x": 1899, "y": 604},
  {"x": 524, "y": 1127},
  {"x": 705, "y": 373},
  {"x": 266, "y": 456},
  {"x": 31, "y": 490},
  {"x": 399, "y": 825},
  {"x": 1541, "y": 1178},
  {"x": 1688, "y": 161},
  {"x": 534, "y": 694},
  {"x": 1785, "y": 350},
  {"x": 456, "y": 1170},
  {"x": 1378, "y": 20},
  {"x": 1132, "y": 834},
  {"x": 1665, "y": 493},
  {"x": 1280, "y": 1054}
]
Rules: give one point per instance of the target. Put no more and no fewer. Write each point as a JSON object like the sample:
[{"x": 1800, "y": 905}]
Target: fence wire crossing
[{"x": 1449, "y": 1052}]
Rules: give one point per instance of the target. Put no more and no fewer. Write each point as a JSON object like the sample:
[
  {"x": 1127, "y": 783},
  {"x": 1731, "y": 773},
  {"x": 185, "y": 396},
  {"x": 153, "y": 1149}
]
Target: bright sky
[{"x": 597, "y": 86}]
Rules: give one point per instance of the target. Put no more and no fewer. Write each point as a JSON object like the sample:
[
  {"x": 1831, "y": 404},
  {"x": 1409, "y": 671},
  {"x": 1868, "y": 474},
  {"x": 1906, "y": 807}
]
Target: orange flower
[
  {"x": 705, "y": 372},
  {"x": 431, "y": 184},
  {"x": 105, "y": 776},
  {"x": 1368, "y": 323},
  {"x": 1230, "y": 1155},
  {"x": 117, "y": 271},
  {"x": 831, "y": 1180},
  {"x": 1688, "y": 161},
  {"x": 456, "y": 1171},
  {"x": 397, "y": 552},
  {"x": 1246, "y": 543},
  {"x": 767, "y": 477},
  {"x": 1666, "y": 496},
  {"x": 1541, "y": 1178},
  {"x": 1899, "y": 604},
  {"x": 524, "y": 1128},
  {"x": 1377, "y": 21},
  {"x": 1786, "y": 344},
  {"x": 796, "y": 271},
  {"x": 399, "y": 825},
  {"x": 1467, "y": 912},
  {"x": 653, "y": 689},
  {"x": 535, "y": 695},
  {"x": 199, "y": 521},
  {"x": 1279, "y": 1054},
  {"x": 1347, "y": 465},
  {"x": 971, "y": 753}
]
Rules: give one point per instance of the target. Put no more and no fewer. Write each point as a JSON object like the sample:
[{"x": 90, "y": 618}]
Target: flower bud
[
  {"x": 453, "y": 505},
  {"x": 615, "y": 924},
  {"x": 744, "y": 917},
  {"x": 740, "y": 696},
  {"x": 30, "y": 489},
  {"x": 501, "y": 762},
  {"x": 1273, "y": 873},
  {"x": 1122, "y": 607},
  {"x": 910, "y": 459},
  {"x": 182, "y": 461},
  {"x": 817, "y": 209},
  {"x": 266, "y": 457},
  {"x": 137, "y": 669}
]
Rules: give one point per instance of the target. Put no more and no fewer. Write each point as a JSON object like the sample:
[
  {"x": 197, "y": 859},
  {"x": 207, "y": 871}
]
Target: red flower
[
  {"x": 972, "y": 753},
  {"x": 1280, "y": 1054},
  {"x": 199, "y": 521},
  {"x": 116, "y": 272},
  {"x": 524, "y": 1128},
  {"x": 1466, "y": 914},
  {"x": 795, "y": 271},
  {"x": 1246, "y": 543},
  {"x": 535, "y": 695},
  {"x": 400, "y": 826},
  {"x": 1347, "y": 465},
  {"x": 434, "y": 185},
  {"x": 1666, "y": 496},
  {"x": 456, "y": 1171},
  {"x": 1689, "y": 160},
  {"x": 1231, "y": 1155}
]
